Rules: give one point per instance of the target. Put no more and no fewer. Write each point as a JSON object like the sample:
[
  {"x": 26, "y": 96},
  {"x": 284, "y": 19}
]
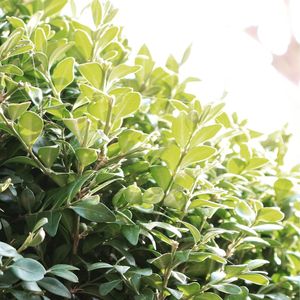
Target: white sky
[{"x": 223, "y": 55}]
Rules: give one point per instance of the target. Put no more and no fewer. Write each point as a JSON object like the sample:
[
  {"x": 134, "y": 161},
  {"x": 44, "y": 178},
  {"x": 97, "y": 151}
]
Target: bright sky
[{"x": 223, "y": 55}]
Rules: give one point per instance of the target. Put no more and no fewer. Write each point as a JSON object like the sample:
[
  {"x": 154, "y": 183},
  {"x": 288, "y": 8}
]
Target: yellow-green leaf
[{"x": 63, "y": 74}]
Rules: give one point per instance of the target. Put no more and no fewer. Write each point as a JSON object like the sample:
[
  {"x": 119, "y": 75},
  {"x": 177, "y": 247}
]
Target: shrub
[{"x": 116, "y": 183}]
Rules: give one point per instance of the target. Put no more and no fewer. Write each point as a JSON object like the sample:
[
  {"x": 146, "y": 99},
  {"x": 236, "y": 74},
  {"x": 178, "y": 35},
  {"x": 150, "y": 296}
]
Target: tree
[{"x": 116, "y": 183}]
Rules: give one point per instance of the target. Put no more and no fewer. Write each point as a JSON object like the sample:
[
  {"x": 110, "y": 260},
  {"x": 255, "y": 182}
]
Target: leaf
[
  {"x": 172, "y": 64},
  {"x": 197, "y": 154},
  {"x": 64, "y": 271},
  {"x": 63, "y": 74},
  {"x": 186, "y": 54},
  {"x": 93, "y": 73},
  {"x": 99, "y": 265},
  {"x": 205, "y": 133},
  {"x": 270, "y": 214},
  {"x": 28, "y": 269},
  {"x": 40, "y": 40},
  {"x": 35, "y": 94},
  {"x": 48, "y": 154},
  {"x": 244, "y": 211},
  {"x": 193, "y": 230},
  {"x": 15, "y": 110},
  {"x": 236, "y": 165},
  {"x": 129, "y": 104},
  {"x": 107, "y": 287},
  {"x": 153, "y": 195},
  {"x": 255, "y": 278},
  {"x": 30, "y": 127},
  {"x": 256, "y": 162},
  {"x": 11, "y": 69},
  {"x": 208, "y": 296},
  {"x": 171, "y": 155},
  {"x": 84, "y": 44},
  {"x": 55, "y": 287},
  {"x": 267, "y": 227},
  {"x": 228, "y": 288},
  {"x": 40, "y": 224},
  {"x": 130, "y": 139},
  {"x": 182, "y": 127},
  {"x": 282, "y": 187},
  {"x": 94, "y": 212},
  {"x": 256, "y": 263},
  {"x": 7, "y": 250},
  {"x": 52, "y": 7},
  {"x": 122, "y": 71},
  {"x": 86, "y": 156},
  {"x": 131, "y": 233},
  {"x": 21, "y": 160},
  {"x": 59, "y": 52},
  {"x": 161, "y": 175},
  {"x": 97, "y": 12},
  {"x": 166, "y": 226}
]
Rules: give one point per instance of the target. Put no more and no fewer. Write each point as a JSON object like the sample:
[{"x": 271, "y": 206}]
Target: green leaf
[
  {"x": 204, "y": 134},
  {"x": 53, "y": 7},
  {"x": 256, "y": 162},
  {"x": 122, "y": 71},
  {"x": 40, "y": 40},
  {"x": 282, "y": 187},
  {"x": 28, "y": 269},
  {"x": 172, "y": 64},
  {"x": 94, "y": 212},
  {"x": 255, "y": 278},
  {"x": 244, "y": 211},
  {"x": 130, "y": 139},
  {"x": 48, "y": 154},
  {"x": 35, "y": 94},
  {"x": 11, "y": 69},
  {"x": 97, "y": 12},
  {"x": 186, "y": 54},
  {"x": 151, "y": 225},
  {"x": 7, "y": 250},
  {"x": 182, "y": 128},
  {"x": 64, "y": 271},
  {"x": 93, "y": 73},
  {"x": 86, "y": 156},
  {"x": 21, "y": 160},
  {"x": 129, "y": 104},
  {"x": 131, "y": 233},
  {"x": 59, "y": 52},
  {"x": 197, "y": 154},
  {"x": 153, "y": 195},
  {"x": 40, "y": 224},
  {"x": 161, "y": 175},
  {"x": 15, "y": 110},
  {"x": 106, "y": 288},
  {"x": 236, "y": 165},
  {"x": 16, "y": 22},
  {"x": 228, "y": 288},
  {"x": 63, "y": 74},
  {"x": 267, "y": 227},
  {"x": 270, "y": 214},
  {"x": 193, "y": 230},
  {"x": 171, "y": 155},
  {"x": 190, "y": 288},
  {"x": 55, "y": 287},
  {"x": 11, "y": 42},
  {"x": 30, "y": 127},
  {"x": 208, "y": 296},
  {"x": 84, "y": 44}
]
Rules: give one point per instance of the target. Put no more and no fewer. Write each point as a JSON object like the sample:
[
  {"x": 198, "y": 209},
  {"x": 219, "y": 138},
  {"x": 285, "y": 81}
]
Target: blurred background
[{"x": 249, "y": 49}]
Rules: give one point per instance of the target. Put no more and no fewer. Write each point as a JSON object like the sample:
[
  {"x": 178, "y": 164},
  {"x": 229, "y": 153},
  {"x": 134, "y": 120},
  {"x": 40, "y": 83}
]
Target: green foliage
[{"x": 116, "y": 183}]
